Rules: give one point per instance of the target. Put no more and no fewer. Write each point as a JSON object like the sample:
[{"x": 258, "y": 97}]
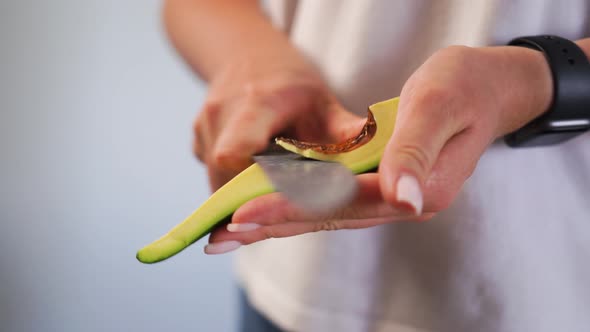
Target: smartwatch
[{"x": 569, "y": 113}]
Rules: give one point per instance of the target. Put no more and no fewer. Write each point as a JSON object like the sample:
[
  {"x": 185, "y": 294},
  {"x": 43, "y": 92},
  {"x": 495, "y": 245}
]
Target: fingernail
[
  {"x": 221, "y": 247},
  {"x": 408, "y": 191},
  {"x": 246, "y": 227}
]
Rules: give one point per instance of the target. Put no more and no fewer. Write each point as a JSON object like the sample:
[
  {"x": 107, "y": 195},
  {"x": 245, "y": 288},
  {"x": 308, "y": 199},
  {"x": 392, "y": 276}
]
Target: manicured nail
[
  {"x": 408, "y": 191},
  {"x": 221, "y": 247},
  {"x": 237, "y": 228}
]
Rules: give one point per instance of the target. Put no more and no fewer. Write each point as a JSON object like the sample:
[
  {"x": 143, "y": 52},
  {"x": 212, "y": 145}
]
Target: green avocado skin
[
  {"x": 252, "y": 182},
  {"x": 215, "y": 211},
  {"x": 148, "y": 257}
]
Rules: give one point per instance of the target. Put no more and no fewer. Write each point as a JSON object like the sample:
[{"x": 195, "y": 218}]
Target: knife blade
[{"x": 317, "y": 186}]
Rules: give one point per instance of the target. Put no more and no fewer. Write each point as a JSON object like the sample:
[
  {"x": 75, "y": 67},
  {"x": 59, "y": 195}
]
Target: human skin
[
  {"x": 451, "y": 109},
  {"x": 259, "y": 84}
]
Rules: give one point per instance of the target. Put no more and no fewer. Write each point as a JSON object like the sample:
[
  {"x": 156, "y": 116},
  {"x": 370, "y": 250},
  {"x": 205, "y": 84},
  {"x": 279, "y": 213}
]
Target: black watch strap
[{"x": 569, "y": 113}]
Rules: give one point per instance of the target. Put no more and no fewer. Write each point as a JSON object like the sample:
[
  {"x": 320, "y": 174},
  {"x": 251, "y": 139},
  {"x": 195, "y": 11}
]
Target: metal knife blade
[{"x": 314, "y": 185}]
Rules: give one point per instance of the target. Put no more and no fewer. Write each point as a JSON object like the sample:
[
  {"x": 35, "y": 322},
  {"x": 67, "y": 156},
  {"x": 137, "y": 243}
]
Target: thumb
[
  {"x": 419, "y": 136},
  {"x": 246, "y": 133}
]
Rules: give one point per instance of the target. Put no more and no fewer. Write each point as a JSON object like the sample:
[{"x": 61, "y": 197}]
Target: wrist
[
  {"x": 568, "y": 115},
  {"x": 526, "y": 91}
]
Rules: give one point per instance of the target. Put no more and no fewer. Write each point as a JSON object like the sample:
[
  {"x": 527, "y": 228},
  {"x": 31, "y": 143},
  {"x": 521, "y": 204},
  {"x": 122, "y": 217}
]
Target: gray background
[{"x": 95, "y": 129}]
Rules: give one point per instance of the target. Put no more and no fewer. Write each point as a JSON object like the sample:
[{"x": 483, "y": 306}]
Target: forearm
[{"x": 210, "y": 34}]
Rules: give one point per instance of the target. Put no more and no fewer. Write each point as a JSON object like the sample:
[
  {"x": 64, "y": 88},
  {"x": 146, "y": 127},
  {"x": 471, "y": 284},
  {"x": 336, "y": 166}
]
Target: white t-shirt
[{"x": 513, "y": 251}]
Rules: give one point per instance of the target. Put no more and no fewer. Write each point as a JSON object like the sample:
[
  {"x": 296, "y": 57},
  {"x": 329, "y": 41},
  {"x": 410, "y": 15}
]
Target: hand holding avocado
[
  {"x": 362, "y": 154},
  {"x": 450, "y": 110}
]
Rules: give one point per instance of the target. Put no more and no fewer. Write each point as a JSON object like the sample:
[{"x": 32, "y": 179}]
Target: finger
[
  {"x": 333, "y": 125},
  {"x": 198, "y": 139},
  {"x": 425, "y": 122},
  {"x": 272, "y": 216},
  {"x": 342, "y": 125},
  {"x": 273, "y": 209},
  {"x": 245, "y": 134},
  {"x": 206, "y": 129},
  {"x": 303, "y": 227},
  {"x": 263, "y": 233}
]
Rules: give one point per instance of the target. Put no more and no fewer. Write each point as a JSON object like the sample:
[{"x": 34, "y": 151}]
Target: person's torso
[{"x": 509, "y": 255}]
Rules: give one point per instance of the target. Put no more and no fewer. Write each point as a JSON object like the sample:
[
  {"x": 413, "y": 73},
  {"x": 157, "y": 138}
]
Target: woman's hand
[
  {"x": 451, "y": 109},
  {"x": 251, "y": 101},
  {"x": 260, "y": 85}
]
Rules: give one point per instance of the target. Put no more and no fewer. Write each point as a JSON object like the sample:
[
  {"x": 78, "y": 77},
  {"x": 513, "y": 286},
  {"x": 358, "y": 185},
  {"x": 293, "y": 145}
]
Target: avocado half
[{"x": 360, "y": 154}]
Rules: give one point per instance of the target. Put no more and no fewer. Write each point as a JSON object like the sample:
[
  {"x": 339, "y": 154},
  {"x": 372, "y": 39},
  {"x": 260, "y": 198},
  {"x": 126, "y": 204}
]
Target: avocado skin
[
  {"x": 252, "y": 182},
  {"x": 148, "y": 259},
  {"x": 218, "y": 209}
]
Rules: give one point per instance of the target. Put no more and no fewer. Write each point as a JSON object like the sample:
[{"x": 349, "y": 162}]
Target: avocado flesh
[
  {"x": 252, "y": 182},
  {"x": 365, "y": 157}
]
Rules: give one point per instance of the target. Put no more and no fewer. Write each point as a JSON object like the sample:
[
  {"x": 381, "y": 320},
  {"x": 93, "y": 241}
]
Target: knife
[{"x": 313, "y": 185}]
